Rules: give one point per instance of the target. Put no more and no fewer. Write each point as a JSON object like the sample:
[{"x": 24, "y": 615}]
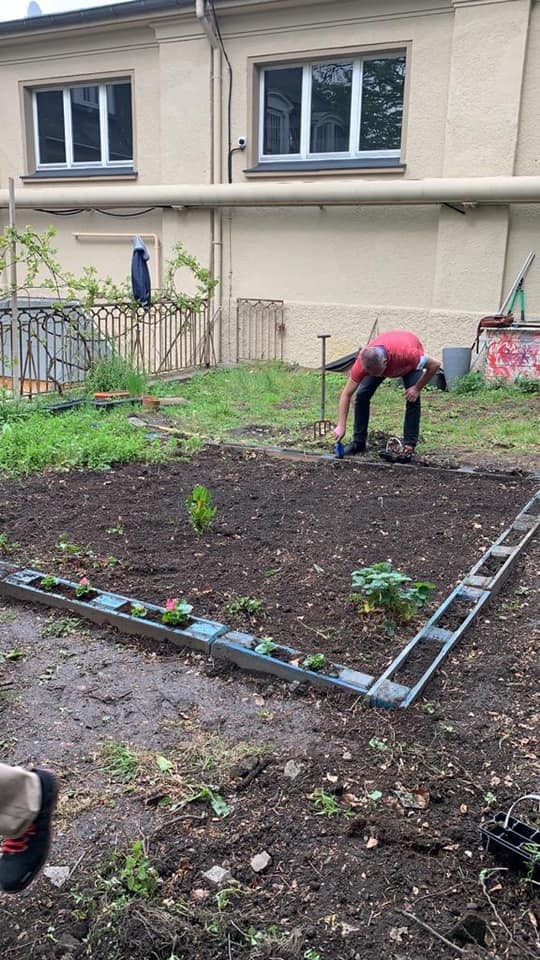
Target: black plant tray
[{"x": 513, "y": 842}]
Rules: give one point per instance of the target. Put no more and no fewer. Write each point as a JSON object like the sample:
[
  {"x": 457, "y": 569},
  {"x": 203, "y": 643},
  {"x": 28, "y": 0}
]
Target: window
[
  {"x": 337, "y": 109},
  {"x": 83, "y": 126}
]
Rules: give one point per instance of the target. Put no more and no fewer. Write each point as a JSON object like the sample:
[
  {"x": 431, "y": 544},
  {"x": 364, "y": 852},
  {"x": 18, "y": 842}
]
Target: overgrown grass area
[
  {"x": 264, "y": 403},
  {"x": 82, "y": 438}
]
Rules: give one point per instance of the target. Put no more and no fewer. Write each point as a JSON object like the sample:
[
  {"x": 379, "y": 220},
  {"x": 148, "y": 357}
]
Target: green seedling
[
  {"x": 200, "y": 510},
  {"x": 48, "y": 582},
  {"x": 138, "y": 610},
  {"x": 7, "y": 545},
  {"x": 328, "y": 804},
  {"x": 220, "y": 807},
  {"x": 533, "y": 849},
  {"x": 314, "y": 662},
  {"x": 247, "y": 605},
  {"x": 266, "y": 646}
]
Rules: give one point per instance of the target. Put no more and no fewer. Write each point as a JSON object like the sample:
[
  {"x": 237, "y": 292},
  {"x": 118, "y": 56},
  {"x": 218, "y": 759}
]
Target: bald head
[{"x": 374, "y": 360}]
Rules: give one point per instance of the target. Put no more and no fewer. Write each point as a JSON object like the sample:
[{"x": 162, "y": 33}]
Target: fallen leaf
[{"x": 415, "y": 799}]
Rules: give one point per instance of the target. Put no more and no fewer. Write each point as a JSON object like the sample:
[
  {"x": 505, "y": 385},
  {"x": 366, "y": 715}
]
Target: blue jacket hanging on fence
[{"x": 140, "y": 275}]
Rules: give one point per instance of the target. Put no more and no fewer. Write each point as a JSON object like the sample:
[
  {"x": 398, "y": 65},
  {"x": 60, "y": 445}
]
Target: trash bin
[{"x": 456, "y": 363}]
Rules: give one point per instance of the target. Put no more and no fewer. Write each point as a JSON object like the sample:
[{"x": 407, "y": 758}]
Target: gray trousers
[{"x": 20, "y": 799}]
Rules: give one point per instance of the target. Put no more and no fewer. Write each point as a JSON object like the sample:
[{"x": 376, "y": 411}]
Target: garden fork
[{"x": 322, "y": 426}]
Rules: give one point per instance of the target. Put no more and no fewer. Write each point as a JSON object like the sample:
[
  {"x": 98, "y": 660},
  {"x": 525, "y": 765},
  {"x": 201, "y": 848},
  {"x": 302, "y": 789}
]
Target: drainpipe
[
  {"x": 465, "y": 190},
  {"x": 215, "y": 260}
]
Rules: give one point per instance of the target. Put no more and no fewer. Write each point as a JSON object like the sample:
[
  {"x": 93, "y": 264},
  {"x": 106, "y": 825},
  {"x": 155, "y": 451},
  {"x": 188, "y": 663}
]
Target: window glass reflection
[
  {"x": 331, "y": 91},
  {"x": 382, "y": 104},
  {"x": 85, "y": 124},
  {"x": 119, "y": 121},
  {"x": 51, "y": 135},
  {"x": 282, "y": 110}
]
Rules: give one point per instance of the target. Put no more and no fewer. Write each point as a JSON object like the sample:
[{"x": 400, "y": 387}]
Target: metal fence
[
  {"x": 260, "y": 329},
  {"x": 57, "y": 344}
]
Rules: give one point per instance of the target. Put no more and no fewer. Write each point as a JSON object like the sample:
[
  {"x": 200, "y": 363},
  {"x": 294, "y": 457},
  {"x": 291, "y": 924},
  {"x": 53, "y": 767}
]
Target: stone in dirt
[
  {"x": 217, "y": 875},
  {"x": 260, "y": 862}
]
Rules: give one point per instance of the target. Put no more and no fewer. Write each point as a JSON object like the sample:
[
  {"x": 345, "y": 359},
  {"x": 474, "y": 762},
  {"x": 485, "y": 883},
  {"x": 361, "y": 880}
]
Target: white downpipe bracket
[{"x": 491, "y": 190}]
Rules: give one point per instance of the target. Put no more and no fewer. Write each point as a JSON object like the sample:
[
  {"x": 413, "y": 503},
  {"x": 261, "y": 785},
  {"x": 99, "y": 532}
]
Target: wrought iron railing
[{"x": 57, "y": 344}]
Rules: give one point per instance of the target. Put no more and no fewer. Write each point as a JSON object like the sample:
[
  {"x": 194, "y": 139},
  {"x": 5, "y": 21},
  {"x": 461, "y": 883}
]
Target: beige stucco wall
[{"x": 472, "y": 108}]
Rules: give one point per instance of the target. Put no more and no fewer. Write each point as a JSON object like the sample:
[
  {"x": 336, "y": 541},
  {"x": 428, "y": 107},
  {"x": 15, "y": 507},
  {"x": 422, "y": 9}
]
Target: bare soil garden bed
[{"x": 378, "y": 830}]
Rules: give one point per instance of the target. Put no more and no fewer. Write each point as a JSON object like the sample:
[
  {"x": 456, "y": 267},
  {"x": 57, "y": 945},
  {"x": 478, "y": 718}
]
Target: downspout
[{"x": 216, "y": 174}]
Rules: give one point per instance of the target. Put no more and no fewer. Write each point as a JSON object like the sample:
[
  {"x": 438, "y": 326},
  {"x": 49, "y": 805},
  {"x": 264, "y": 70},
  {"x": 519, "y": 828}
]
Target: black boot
[{"x": 356, "y": 446}]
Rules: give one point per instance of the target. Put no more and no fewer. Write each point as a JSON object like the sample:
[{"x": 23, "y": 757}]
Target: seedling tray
[{"x": 513, "y": 842}]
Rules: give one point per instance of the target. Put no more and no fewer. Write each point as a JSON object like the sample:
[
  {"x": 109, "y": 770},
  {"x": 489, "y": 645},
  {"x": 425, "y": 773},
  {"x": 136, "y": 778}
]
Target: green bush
[
  {"x": 115, "y": 373},
  {"x": 472, "y": 382}
]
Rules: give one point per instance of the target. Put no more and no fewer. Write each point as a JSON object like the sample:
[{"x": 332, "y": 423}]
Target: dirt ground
[{"x": 368, "y": 821}]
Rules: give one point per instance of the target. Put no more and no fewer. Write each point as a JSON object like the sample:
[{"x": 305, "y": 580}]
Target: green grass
[
  {"x": 263, "y": 403},
  {"x": 79, "y": 439}
]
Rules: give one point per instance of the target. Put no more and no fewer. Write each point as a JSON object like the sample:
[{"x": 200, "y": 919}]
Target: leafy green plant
[
  {"x": 176, "y": 612},
  {"x": 381, "y": 588},
  {"x": 138, "y": 610},
  {"x": 533, "y": 850},
  {"x": 247, "y": 605},
  {"x": 472, "y": 382},
  {"x": 200, "y": 510},
  {"x": 266, "y": 646},
  {"x": 220, "y": 806},
  {"x": 83, "y": 588},
  {"x": 137, "y": 875},
  {"x": 314, "y": 661},
  {"x": 48, "y": 582},
  {"x": 328, "y": 804},
  {"x": 527, "y": 384},
  {"x": 7, "y": 545}
]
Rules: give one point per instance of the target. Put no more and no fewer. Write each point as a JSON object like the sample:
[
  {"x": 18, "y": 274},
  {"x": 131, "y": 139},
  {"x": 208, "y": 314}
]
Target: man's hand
[
  {"x": 412, "y": 394},
  {"x": 339, "y": 433}
]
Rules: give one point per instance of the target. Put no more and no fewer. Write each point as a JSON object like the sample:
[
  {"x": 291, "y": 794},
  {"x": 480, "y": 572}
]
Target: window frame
[
  {"x": 71, "y": 166},
  {"x": 353, "y": 161}
]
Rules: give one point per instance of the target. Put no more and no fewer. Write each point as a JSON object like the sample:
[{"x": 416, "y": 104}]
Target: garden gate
[{"x": 260, "y": 328}]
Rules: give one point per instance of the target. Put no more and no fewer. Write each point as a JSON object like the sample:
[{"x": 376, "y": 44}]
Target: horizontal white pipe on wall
[
  {"x": 492, "y": 190},
  {"x": 124, "y": 237}
]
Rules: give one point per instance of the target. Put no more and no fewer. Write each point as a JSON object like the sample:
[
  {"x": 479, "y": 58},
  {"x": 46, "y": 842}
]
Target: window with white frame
[
  {"x": 84, "y": 125},
  {"x": 333, "y": 109}
]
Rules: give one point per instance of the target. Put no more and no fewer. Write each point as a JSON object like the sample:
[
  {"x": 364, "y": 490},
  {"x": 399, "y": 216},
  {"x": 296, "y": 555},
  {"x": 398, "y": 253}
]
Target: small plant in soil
[
  {"x": 120, "y": 761},
  {"x": 314, "y": 661},
  {"x": 533, "y": 850},
  {"x": 266, "y": 647},
  {"x": 7, "y": 545},
  {"x": 247, "y": 605},
  {"x": 48, "y": 582},
  {"x": 200, "y": 510},
  {"x": 380, "y": 588},
  {"x": 176, "y": 612},
  {"x": 83, "y": 588},
  {"x": 328, "y": 804},
  {"x": 138, "y": 610},
  {"x": 11, "y": 655},
  {"x": 135, "y": 877}
]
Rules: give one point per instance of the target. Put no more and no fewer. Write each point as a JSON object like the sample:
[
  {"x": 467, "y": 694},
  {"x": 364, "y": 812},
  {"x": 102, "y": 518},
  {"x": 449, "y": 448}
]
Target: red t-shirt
[{"x": 404, "y": 352}]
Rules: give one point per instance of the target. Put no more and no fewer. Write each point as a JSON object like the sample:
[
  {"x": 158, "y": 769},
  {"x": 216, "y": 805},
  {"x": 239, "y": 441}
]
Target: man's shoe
[
  {"x": 356, "y": 446},
  {"x": 23, "y": 857}
]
